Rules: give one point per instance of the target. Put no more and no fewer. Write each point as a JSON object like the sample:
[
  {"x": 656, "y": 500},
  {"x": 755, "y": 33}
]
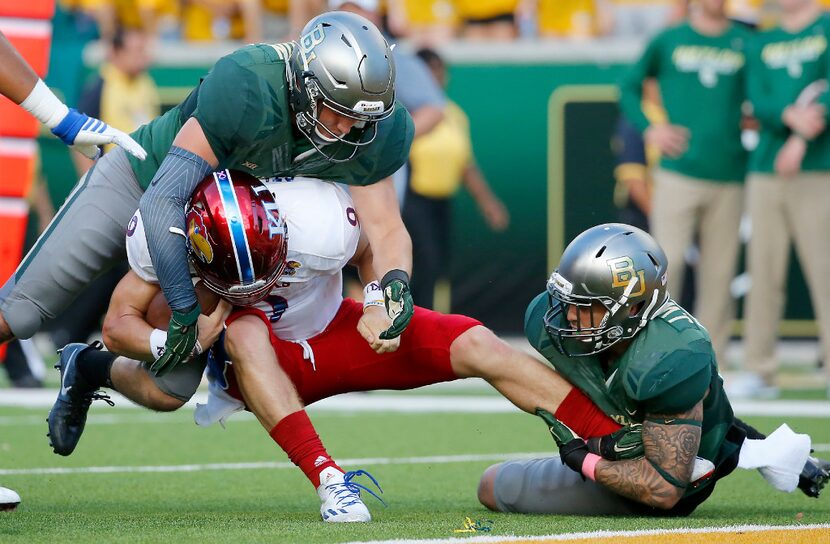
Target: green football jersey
[
  {"x": 243, "y": 108},
  {"x": 667, "y": 369}
]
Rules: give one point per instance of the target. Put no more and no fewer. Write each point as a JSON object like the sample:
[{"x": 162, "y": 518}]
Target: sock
[
  {"x": 94, "y": 366},
  {"x": 579, "y": 413},
  {"x": 296, "y": 436}
]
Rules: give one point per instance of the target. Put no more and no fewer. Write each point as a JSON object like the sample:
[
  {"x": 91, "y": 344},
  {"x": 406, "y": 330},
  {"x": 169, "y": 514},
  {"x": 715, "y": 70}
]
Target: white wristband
[
  {"x": 373, "y": 295},
  {"x": 44, "y": 105},
  {"x": 158, "y": 338}
]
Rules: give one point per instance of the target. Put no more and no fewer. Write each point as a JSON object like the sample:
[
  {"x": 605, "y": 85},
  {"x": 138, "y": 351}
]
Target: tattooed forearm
[{"x": 670, "y": 446}]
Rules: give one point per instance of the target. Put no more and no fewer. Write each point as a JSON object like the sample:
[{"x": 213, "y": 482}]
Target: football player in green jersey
[
  {"x": 608, "y": 325},
  {"x": 323, "y": 106}
]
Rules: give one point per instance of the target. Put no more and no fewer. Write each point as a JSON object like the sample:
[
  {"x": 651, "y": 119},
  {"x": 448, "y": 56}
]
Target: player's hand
[
  {"x": 398, "y": 301},
  {"x": 789, "y": 157},
  {"x": 671, "y": 140},
  {"x": 211, "y": 326},
  {"x": 372, "y": 324},
  {"x": 87, "y": 133},
  {"x": 622, "y": 444},
  {"x": 182, "y": 341},
  {"x": 572, "y": 449}
]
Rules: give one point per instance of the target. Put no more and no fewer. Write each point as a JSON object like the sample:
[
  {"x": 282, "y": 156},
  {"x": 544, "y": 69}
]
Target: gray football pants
[
  {"x": 85, "y": 239},
  {"x": 546, "y": 486}
]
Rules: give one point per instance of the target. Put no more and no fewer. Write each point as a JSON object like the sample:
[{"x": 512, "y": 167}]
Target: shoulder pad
[{"x": 669, "y": 382}]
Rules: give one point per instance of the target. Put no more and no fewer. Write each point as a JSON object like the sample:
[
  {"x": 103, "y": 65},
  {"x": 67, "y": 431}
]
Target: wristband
[
  {"x": 158, "y": 338},
  {"x": 372, "y": 295},
  {"x": 589, "y": 466},
  {"x": 44, "y": 105},
  {"x": 392, "y": 275}
]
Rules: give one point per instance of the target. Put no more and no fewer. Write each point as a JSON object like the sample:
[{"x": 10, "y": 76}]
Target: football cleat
[
  {"x": 814, "y": 477},
  {"x": 341, "y": 496},
  {"x": 68, "y": 415},
  {"x": 9, "y": 499}
]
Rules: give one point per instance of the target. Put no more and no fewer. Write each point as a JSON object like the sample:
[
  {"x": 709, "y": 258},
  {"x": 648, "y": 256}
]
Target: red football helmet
[{"x": 236, "y": 238}]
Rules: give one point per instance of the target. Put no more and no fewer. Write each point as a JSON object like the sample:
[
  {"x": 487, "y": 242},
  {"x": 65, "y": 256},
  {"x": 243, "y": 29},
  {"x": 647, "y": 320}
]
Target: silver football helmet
[
  {"x": 616, "y": 270},
  {"x": 341, "y": 61}
]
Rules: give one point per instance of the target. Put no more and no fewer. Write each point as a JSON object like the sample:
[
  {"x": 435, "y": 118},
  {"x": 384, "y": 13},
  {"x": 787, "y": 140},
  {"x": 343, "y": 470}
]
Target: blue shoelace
[{"x": 348, "y": 492}]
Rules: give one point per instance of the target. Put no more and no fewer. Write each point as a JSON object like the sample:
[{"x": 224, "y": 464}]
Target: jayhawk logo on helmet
[{"x": 197, "y": 238}]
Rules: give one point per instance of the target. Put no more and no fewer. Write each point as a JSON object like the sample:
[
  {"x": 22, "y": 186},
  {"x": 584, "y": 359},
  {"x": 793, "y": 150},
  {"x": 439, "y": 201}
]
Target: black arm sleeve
[{"x": 162, "y": 209}]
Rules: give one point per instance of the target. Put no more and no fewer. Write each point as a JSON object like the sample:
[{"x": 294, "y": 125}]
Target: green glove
[
  {"x": 622, "y": 444},
  {"x": 182, "y": 336},
  {"x": 398, "y": 301},
  {"x": 572, "y": 449}
]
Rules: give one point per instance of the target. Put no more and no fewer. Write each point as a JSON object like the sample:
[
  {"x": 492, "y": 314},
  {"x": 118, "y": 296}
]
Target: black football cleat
[
  {"x": 814, "y": 477},
  {"x": 68, "y": 415}
]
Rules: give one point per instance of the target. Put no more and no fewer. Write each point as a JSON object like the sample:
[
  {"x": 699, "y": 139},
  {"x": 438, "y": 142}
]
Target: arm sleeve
[
  {"x": 414, "y": 84},
  {"x": 162, "y": 209},
  {"x": 631, "y": 86},
  {"x": 230, "y": 107},
  {"x": 764, "y": 107}
]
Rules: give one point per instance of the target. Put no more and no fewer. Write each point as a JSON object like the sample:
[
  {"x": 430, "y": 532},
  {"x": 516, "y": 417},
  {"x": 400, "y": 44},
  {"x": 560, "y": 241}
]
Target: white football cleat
[
  {"x": 9, "y": 499},
  {"x": 341, "y": 497}
]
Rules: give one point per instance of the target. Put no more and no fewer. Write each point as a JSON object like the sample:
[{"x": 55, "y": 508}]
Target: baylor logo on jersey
[{"x": 622, "y": 273}]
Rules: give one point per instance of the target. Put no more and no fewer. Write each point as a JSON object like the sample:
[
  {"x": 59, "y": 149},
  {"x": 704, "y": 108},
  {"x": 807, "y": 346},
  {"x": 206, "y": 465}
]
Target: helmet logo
[
  {"x": 623, "y": 273},
  {"x": 275, "y": 224},
  {"x": 311, "y": 40},
  {"x": 197, "y": 240},
  {"x": 368, "y": 106},
  {"x": 558, "y": 283}
]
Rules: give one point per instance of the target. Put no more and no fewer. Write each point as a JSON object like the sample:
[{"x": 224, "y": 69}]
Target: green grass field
[{"x": 277, "y": 504}]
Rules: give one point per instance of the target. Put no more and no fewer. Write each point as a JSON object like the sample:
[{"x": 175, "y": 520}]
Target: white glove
[{"x": 74, "y": 128}]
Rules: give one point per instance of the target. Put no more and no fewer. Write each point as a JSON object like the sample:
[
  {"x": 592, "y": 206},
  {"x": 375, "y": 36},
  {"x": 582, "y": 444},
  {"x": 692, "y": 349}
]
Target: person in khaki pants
[
  {"x": 698, "y": 188},
  {"x": 789, "y": 182}
]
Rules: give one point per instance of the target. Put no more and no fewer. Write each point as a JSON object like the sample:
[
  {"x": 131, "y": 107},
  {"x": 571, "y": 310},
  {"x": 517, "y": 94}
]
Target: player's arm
[
  {"x": 20, "y": 83},
  {"x": 659, "y": 478},
  {"x": 374, "y": 320},
  {"x": 125, "y": 330},
  {"x": 380, "y": 219},
  {"x": 162, "y": 207}
]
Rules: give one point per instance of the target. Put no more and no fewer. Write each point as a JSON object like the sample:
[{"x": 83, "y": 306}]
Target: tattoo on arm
[{"x": 673, "y": 448}]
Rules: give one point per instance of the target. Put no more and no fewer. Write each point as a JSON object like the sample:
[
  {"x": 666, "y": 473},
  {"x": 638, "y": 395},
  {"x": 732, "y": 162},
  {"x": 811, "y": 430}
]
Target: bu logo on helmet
[
  {"x": 197, "y": 238},
  {"x": 622, "y": 273},
  {"x": 311, "y": 40}
]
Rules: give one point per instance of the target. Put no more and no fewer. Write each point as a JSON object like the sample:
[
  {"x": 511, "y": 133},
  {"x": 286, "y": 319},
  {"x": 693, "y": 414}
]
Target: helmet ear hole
[{"x": 636, "y": 309}]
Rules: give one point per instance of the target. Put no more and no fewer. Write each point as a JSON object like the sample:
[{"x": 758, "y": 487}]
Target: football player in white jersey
[{"x": 303, "y": 342}]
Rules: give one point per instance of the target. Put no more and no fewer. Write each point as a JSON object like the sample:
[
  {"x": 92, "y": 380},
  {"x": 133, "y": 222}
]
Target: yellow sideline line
[{"x": 742, "y": 534}]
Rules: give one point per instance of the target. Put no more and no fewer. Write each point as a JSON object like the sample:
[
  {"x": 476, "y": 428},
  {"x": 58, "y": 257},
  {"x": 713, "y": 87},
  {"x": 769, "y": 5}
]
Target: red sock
[
  {"x": 579, "y": 413},
  {"x": 296, "y": 436}
]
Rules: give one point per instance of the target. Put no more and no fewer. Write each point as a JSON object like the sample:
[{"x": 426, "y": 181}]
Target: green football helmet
[
  {"x": 616, "y": 265},
  {"x": 341, "y": 61}
]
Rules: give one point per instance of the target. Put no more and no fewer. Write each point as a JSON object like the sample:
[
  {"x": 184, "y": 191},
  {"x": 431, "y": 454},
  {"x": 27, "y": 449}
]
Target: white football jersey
[{"x": 323, "y": 233}]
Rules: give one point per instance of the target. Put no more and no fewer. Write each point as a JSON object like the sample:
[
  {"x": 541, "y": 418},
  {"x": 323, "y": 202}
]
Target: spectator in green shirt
[
  {"x": 698, "y": 187},
  {"x": 788, "y": 199}
]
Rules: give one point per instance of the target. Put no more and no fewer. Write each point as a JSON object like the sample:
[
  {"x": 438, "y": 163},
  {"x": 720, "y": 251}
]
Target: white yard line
[
  {"x": 360, "y": 402},
  {"x": 357, "y": 462},
  {"x": 607, "y": 534}
]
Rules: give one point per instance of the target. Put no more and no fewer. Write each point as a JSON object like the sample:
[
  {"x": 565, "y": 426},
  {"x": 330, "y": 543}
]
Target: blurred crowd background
[{"x": 515, "y": 101}]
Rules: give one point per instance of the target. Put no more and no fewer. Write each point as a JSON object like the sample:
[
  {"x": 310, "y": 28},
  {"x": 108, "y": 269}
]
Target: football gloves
[
  {"x": 621, "y": 445},
  {"x": 182, "y": 344},
  {"x": 398, "y": 301},
  {"x": 87, "y": 133},
  {"x": 572, "y": 449}
]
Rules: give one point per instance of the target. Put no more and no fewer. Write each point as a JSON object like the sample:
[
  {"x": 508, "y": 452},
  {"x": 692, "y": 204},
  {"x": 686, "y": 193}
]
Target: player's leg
[
  {"x": 270, "y": 394},
  {"x": 674, "y": 218},
  {"x": 84, "y": 239},
  {"x": 719, "y": 246},
  {"x": 525, "y": 381},
  {"x": 767, "y": 262},
  {"x": 86, "y": 369},
  {"x": 546, "y": 486}
]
